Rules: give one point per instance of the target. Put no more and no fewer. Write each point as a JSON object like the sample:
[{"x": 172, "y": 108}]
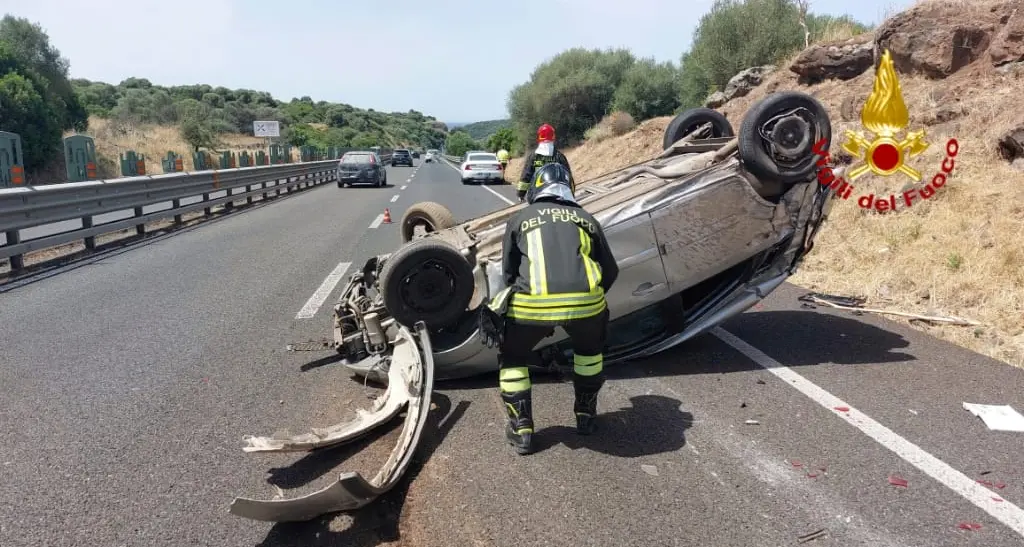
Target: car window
[
  {"x": 355, "y": 158},
  {"x": 482, "y": 157}
]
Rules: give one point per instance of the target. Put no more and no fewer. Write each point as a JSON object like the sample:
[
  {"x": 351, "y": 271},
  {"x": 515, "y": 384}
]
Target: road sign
[{"x": 266, "y": 129}]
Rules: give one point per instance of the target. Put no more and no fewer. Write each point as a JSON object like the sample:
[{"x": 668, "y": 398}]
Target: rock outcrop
[
  {"x": 836, "y": 60},
  {"x": 739, "y": 85}
]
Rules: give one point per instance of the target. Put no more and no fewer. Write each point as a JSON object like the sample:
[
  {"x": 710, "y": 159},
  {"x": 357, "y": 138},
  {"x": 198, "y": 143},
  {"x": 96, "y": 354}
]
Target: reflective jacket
[
  {"x": 534, "y": 161},
  {"x": 557, "y": 264}
]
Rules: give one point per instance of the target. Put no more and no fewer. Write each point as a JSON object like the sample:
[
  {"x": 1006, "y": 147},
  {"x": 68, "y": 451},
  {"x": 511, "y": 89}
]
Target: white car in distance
[{"x": 481, "y": 167}]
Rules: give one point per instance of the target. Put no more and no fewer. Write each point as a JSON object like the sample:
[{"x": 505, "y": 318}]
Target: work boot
[
  {"x": 519, "y": 430},
  {"x": 585, "y": 406}
]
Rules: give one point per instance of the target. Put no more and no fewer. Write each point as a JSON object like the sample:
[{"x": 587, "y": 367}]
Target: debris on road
[
  {"x": 752, "y": 422},
  {"x": 856, "y": 305},
  {"x": 969, "y": 526},
  {"x": 997, "y": 417},
  {"x": 812, "y": 536},
  {"x": 649, "y": 469},
  {"x": 842, "y": 409},
  {"x": 999, "y": 485},
  {"x": 898, "y": 481}
]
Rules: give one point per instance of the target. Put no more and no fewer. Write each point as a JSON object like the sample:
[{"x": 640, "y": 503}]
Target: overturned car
[{"x": 701, "y": 233}]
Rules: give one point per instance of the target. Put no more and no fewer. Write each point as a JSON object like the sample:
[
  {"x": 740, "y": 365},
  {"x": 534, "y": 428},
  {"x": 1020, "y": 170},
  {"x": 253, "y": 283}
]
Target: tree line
[
  {"x": 576, "y": 89},
  {"x": 40, "y": 102}
]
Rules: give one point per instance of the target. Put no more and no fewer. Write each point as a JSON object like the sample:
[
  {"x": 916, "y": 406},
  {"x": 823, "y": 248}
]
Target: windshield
[
  {"x": 483, "y": 157},
  {"x": 356, "y": 158},
  {"x": 401, "y": 152}
]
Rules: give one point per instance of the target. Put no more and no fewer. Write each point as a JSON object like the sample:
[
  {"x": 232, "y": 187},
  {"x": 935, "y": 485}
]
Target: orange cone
[{"x": 387, "y": 217}]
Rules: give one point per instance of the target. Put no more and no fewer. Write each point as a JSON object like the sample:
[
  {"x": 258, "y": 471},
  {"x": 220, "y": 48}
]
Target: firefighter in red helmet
[{"x": 544, "y": 154}]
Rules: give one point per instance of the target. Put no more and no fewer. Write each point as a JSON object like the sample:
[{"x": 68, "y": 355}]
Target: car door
[{"x": 641, "y": 280}]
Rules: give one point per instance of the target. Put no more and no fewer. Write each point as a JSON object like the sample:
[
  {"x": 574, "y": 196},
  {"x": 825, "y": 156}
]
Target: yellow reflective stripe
[
  {"x": 587, "y": 365},
  {"x": 593, "y": 272},
  {"x": 499, "y": 298},
  {"x": 514, "y": 379},
  {"x": 555, "y": 314},
  {"x": 535, "y": 254},
  {"x": 558, "y": 300}
]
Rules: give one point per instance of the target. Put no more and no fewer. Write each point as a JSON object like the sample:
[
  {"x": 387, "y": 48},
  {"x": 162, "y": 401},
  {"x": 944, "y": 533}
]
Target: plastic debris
[
  {"x": 898, "y": 481},
  {"x": 649, "y": 469},
  {"x": 997, "y": 417},
  {"x": 752, "y": 422},
  {"x": 796, "y": 463},
  {"x": 842, "y": 408},
  {"x": 969, "y": 526},
  {"x": 997, "y": 500}
]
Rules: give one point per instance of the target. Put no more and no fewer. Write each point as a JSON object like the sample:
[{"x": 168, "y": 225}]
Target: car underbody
[{"x": 701, "y": 233}]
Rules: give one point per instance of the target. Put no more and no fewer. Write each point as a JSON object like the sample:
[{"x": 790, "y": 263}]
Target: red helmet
[{"x": 545, "y": 133}]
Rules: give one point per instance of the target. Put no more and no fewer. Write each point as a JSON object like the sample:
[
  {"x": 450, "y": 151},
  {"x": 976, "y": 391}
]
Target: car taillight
[
  {"x": 373, "y": 161},
  {"x": 468, "y": 167}
]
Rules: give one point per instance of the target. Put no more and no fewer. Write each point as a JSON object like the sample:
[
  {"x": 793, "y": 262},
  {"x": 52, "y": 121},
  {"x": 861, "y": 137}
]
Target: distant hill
[{"x": 479, "y": 131}]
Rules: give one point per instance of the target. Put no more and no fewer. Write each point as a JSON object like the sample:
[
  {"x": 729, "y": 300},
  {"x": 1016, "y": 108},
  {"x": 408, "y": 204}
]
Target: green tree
[
  {"x": 504, "y": 138},
  {"x": 37, "y": 100},
  {"x": 459, "y": 142},
  {"x": 572, "y": 92},
  {"x": 648, "y": 89}
]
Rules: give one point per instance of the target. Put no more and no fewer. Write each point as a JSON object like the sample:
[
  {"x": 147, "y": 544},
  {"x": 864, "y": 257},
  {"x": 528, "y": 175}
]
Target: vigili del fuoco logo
[{"x": 887, "y": 154}]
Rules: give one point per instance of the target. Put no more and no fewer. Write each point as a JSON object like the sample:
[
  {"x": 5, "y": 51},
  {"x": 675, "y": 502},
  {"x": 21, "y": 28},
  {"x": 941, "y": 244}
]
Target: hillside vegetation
[
  {"x": 481, "y": 131},
  {"x": 578, "y": 88},
  {"x": 959, "y": 253},
  {"x": 39, "y": 102}
]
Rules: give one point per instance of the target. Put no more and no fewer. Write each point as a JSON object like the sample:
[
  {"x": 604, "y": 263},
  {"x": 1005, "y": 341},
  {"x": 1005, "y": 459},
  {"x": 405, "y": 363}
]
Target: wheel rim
[
  {"x": 788, "y": 138},
  {"x": 429, "y": 287}
]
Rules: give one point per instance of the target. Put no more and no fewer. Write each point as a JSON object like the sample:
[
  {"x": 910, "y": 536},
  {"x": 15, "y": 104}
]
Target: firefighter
[
  {"x": 544, "y": 154},
  {"x": 503, "y": 160},
  {"x": 557, "y": 267}
]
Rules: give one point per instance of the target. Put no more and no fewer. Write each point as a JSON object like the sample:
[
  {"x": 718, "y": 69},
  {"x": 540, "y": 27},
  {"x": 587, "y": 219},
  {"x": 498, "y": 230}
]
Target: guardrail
[{"x": 47, "y": 209}]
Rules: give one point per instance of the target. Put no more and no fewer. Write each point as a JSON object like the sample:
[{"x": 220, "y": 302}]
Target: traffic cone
[{"x": 387, "y": 217}]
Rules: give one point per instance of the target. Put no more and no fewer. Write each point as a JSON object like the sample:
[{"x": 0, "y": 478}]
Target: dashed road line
[
  {"x": 394, "y": 198},
  {"x": 403, "y": 188},
  {"x": 322, "y": 292},
  {"x": 376, "y": 222},
  {"x": 1003, "y": 511},
  {"x": 501, "y": 197}
]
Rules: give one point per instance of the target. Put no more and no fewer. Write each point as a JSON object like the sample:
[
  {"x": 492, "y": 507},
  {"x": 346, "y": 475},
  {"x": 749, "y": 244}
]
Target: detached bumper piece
[{"x": 410, "y": 382}]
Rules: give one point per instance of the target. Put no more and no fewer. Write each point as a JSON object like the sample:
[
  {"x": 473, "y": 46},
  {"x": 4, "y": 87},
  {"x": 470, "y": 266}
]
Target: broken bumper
[{"x": 410, "y": 383}]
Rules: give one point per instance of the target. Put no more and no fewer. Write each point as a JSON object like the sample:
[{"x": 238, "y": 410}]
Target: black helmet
[{"x": 552, "y": 181}]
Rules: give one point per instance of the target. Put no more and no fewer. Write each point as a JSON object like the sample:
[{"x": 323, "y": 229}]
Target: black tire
[
  {"x": 687, "y": 122},
  {"x": 433, "y": 216},
  {"x": 788, "y": 157},
  {"x": 427, "y": 280},
  {"x": 340, "y": 184}
]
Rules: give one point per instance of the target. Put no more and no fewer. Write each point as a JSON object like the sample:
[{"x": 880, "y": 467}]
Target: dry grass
[
  {"x": 958, "y": 253},
  {"x": 154, "y": 141},
  {"x": 613, "y": 125}
]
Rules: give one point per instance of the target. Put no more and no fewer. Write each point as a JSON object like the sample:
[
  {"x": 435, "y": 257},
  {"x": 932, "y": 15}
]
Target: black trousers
[{"x": 587, "y": 337}]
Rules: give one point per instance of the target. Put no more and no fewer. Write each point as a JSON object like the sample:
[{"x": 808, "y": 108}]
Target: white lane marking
[
  {"x": 321, "y": 294},
  {"x": 376, "y": 222},
  {"x": 501, "y": 197},
  {"x": 1003, "y": 511},
  {"x": 394, "y": 198},
  {"x": 403, "y": 188}
]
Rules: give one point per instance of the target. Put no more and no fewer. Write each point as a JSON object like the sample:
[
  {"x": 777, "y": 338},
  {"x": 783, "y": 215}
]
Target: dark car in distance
[
  {"x": 401, "y": 156},
  {"x": 416, "y": 154},
  {"x": 361, "y": 168}
]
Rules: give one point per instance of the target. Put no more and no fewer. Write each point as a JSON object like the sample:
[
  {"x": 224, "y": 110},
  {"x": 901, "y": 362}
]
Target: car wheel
[
  {"x": 689, "y": 121},
  {"x": 778, "y": 135},
  {"x": 428, "y": 214},
  {"x": 341, "y": 184},
  {"x": 427, "y": 280}
]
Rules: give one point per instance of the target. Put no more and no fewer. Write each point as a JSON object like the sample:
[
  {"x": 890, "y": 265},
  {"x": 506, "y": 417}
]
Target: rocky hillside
[{"x": 961, "y": 69}]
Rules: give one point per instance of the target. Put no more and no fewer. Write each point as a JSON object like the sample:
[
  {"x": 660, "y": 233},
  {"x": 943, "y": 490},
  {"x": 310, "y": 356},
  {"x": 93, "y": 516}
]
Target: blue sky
[{"x": 453, "y": 59}]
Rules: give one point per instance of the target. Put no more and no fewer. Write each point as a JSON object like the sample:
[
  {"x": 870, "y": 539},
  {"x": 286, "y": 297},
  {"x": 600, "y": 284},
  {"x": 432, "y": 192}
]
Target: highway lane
[
  {"x": 127, "y": 384},
  {"x": 134, "y": 414}
]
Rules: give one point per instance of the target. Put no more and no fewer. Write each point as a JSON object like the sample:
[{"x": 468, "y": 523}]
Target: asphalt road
[{"x": 127, "y": 385}]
